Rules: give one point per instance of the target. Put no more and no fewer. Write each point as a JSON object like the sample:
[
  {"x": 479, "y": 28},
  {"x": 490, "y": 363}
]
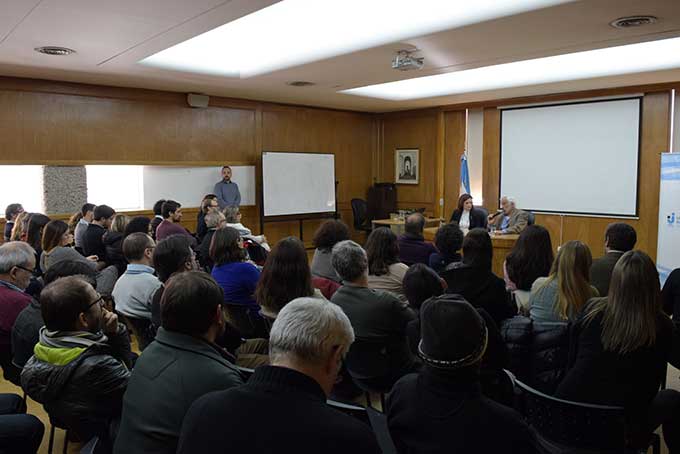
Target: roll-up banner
[{"x": 668, "y": 247}]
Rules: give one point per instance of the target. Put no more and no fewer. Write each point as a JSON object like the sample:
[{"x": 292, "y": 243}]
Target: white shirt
[{"x": 464, "y": 222}]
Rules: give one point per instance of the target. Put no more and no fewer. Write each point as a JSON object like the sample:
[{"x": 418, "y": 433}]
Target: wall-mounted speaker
[{"x": 198, "y": 101}]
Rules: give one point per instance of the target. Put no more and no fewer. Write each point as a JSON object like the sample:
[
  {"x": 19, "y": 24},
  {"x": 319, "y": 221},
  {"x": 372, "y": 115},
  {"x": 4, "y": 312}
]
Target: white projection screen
[
  {"x": 297, "y": 183},
  {"x": 576, "y": 158}
]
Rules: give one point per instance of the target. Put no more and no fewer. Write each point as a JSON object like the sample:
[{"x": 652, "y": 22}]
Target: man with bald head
[
  {"x": 510, "y": 219},
  {"x": 412, "y": 246}
]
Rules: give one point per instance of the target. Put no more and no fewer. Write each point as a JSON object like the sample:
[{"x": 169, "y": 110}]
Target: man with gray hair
[
  {"x": 214, "y": 221},
  {"x": 282, "y": 407},
  {"x": 17, "y": 261},
  {"x": 509, "y": 219},
  {"x": 412, "y": 245},
  {"x": 379, "y": 320}
]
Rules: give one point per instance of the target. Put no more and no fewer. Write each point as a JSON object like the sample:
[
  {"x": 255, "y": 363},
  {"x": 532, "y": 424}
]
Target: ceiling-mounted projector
[{"x": 405, "y": 61}]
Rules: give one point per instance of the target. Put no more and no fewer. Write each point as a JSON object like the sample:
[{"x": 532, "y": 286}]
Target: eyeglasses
[
  {"x": 99, "y": 300},
  {"x": 25, "y": 269}
]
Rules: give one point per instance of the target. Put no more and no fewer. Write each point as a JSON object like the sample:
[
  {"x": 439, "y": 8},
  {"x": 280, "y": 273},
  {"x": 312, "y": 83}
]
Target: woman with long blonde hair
[
  {"x": 19, "y": 226},
  {"x": 621, "y": 345},
  {"x": 560, "y": 297}
]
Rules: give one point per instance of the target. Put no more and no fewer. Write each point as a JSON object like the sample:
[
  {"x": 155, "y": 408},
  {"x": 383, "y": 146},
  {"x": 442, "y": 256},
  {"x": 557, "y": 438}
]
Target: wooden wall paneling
[
  {"x": 491, "y": 157},
  {"x": 454, "y": 144},
  {"x": 440, "y": 166}
]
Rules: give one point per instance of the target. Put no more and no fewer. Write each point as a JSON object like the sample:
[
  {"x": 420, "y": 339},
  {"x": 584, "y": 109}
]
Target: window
[
  {"x": 21, "y": 184},
  {"x": 120, "y": 187}
]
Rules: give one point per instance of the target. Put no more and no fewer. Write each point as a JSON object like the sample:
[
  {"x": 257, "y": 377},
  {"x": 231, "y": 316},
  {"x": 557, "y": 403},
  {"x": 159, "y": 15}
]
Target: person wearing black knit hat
[{"x": 442, "y": 409}]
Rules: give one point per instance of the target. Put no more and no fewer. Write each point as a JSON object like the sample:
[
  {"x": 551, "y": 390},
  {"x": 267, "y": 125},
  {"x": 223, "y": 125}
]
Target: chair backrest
[
  {"x": 245, "y": 372},
  {"x": 351, "y": 410},
  {"x": 531, "y": 220},
  {"x": 376, "y": 360},
  {"x": 598, "y": 428},
  {"x": 359, "y": 209},
  {"x": 382, "y": 433}
]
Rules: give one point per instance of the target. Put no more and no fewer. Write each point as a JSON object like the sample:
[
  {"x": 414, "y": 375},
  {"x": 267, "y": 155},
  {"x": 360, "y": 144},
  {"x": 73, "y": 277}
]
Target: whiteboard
[
  {"x": 579, "y": 158},
  {"x": 297, "y": 183},
  {"x": 188, "y": 185}
]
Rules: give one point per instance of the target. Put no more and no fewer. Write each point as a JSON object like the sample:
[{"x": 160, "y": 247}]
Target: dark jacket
[
  {"x": 201, "y": 227},
  {"x": 601, "y": 271},
  {"x": 481, "y": 288},
  {"x": 86, "y": 392},
  {"x": 173, "y": 372},
  {"x": 478, "y": 218},
  {"x": 442, "y": 412},
  {"x": 439, "y": 261},
  {"x": 25, "y": 333},
  {"x": 204, "y": 251},
  {"x": 113, "y": 242},
  {"x": 278, "y": 410},
  {"x": 414, "y": 249},
  {"x": 7, "y": 234},
  {"x": 538, "y": 351},
  {"x": 93, "y": 243},
  {"x": 155, "y": 222},
  {"x": 670, "y": 295}
]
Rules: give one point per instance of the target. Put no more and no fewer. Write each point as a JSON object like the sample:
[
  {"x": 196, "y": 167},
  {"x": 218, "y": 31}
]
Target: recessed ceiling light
[
  {"x": 295, "y": 32},
  {"x": 55, "y": 50},
  {"x": 633, "y": 21},
  {"x": 300, "y": 83},
  {"x": 631, "y": 58}
]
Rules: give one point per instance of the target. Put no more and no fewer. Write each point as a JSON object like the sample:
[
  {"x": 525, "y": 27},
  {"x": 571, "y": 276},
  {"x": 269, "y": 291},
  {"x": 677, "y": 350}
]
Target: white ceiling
[{"x": 111, "y": 37}]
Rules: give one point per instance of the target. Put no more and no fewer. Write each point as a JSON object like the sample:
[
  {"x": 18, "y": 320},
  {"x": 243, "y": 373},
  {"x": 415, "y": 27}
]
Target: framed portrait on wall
[{"x": 407, "y": 165}]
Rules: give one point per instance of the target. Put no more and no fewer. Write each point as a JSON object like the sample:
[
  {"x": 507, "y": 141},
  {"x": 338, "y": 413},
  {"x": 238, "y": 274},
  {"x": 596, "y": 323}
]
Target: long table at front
[{"x": 502, "y": 245}]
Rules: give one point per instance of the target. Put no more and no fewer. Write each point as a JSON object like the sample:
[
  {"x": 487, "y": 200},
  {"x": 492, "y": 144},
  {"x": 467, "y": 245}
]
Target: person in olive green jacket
[{"x": 181, "y": 365}]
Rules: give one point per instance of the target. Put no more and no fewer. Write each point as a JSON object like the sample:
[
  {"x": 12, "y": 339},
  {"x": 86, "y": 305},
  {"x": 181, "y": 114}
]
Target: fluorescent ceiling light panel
[
  {"x": 631, "y": 58},
  {"x": 294, "y": 32}
]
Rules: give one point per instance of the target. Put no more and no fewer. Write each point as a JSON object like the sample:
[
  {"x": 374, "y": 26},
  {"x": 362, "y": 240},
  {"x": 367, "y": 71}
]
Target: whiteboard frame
[
  {"x": 296, "y": 217},
  {"x": 639, "y": 98}
]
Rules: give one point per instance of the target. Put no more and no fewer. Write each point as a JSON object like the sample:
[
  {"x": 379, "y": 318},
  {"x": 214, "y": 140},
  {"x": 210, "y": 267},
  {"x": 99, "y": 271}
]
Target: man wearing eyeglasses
[
  {"x": 80, "y": 367},
  {"x": 17, "y": 261}
]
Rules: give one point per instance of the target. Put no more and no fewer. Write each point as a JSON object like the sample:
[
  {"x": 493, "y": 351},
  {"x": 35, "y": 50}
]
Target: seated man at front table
[
  {"x": 412, "y": 246},
  {"x": 510, "y": 219}
]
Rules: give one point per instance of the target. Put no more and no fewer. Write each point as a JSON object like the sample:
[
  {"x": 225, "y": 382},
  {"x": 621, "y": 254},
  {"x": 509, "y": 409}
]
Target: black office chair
[
  {"x": 531, "y": 220},
  {"x": 360, "y": 214},
  {"x": 564, "y": 426}
]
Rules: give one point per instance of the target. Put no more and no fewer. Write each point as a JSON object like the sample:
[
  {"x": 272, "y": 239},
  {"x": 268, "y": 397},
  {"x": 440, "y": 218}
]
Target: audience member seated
[
  {"x": 448, "y": 240},
  {"x": 282, "y": 408},
  {"x": 385, "y": 271},
  {"x": 17, "y": 261},
  {"x": 530, "y": 258},
  {"x": 36, "y": 224},
  {"x": 172, "y": 216},
  {"x": 80, "y": 367},
  {"x": 12, "y": 211},
  {"x": 619, "y": 238},
  {"x": 510, "y": 219},
  {"x": 214, "y": 221},
  {"x": 327, "y": 235},
  {"x": 172, "y": 255},
  {"x": 20, "y": 226},
  {"x": 56, "y": 247},
  {"x": 19, "y": 433},
  {"x": 473, "y": 279},
  {"x": 113, "y": 242},
  {"x": 285, "y": 276},
  {"x": 379, "y": 320},
  {"x": 412, "y": 246},
  {"x": 134, "y": 291},
  {"x": 621, "y": 345},
  {"x": 183, "y": 364},
  {"x": 238, "y": 279},
  {"x": 420, "y": 284},
  {"x": 26, "y": 329},
  {"x": 87, "y": 213},
  {"x": 138, "y": 224},
  {"x": 467, "y": 216},
  {"x": 670, "y": 295},
  {"x": 93, "y": 243},
  {"x": 233, "y": 216},
  {"x": 561, "y": 296},
  {"x": 208, "y": 204},
  {"x": 157, "y": 217},
  {"x": 441, "y": 410}
]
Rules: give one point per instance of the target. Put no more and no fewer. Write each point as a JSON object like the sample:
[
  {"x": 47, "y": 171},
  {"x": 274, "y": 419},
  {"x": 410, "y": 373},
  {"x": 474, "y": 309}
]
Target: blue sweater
[
  {"x": 238, "y": 280},
  {"x": 227, "y": 194}
]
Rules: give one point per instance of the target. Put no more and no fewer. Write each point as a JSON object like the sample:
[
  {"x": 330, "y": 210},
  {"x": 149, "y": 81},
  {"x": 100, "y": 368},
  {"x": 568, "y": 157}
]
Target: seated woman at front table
[
  {"x": 467, "y": 216},
  {"x": 560, "y": 297}
]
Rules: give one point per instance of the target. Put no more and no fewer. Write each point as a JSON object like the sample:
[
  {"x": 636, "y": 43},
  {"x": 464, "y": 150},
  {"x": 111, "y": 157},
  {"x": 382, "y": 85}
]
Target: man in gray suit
[
  {"x": 510, "y": 219},
  {"x": 227, "y": 191}
]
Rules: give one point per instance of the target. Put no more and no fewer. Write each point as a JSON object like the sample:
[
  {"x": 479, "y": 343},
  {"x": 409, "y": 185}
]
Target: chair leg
[
  {"x": 65, "y": 451},
  {"x": 51, "y": 442}
]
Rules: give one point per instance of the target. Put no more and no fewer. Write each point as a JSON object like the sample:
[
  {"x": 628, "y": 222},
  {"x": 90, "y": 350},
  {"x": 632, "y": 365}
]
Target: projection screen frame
[{"x": 639, "y": 98}]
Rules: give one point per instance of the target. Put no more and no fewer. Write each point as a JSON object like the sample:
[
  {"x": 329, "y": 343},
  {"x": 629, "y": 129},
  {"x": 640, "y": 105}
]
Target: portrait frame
[{"x": 406, "y": 165}]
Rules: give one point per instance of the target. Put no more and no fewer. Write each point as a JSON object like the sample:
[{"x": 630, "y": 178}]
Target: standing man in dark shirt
[
  {"x": 92, "y": 240},
  {"x": 227, "y": 191}
]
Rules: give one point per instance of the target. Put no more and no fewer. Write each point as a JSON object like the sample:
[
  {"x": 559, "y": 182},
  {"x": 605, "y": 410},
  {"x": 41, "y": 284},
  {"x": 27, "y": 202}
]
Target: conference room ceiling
[{"x": 112, "y": 37}]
